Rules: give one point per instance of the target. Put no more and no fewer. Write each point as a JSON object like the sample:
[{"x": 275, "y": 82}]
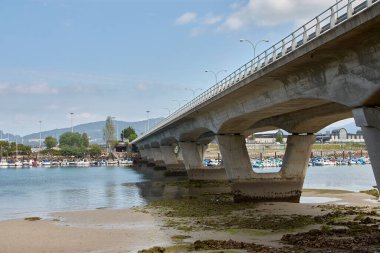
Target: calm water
[{"x": 37, "y": 192}]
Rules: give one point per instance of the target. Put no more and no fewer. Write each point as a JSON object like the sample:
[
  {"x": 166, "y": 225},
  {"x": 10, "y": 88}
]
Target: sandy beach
[{"x": 130, "y": 230}]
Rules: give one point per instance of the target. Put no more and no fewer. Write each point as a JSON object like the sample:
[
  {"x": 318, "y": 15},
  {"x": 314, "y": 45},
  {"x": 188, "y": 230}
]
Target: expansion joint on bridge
[{"x": 234, "y": 134}]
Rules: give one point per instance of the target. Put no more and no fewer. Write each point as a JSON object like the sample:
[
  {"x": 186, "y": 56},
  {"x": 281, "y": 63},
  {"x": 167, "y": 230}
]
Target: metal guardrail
[{"x": 341, "y": 11}]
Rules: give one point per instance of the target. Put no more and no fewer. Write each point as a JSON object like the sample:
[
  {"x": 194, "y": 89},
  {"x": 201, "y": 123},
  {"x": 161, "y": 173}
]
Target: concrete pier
[
  {"x": 369, "y": 120},
  {"x": 172, "y": 164},
  {"x": 285, "y": 185},
  {"x": 158, "y": 158},
  {"x": 191, "y": 155},
  {"x": 193, "y": 159},
  {"x": 149, "y": 156}
]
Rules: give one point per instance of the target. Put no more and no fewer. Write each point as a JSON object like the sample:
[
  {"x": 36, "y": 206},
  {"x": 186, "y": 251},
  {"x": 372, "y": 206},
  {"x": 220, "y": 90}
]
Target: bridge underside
[{"x": 334, "y": 77}]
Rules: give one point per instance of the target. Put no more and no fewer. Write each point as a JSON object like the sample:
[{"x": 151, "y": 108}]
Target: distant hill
[
  {"x": 94, "y": 130},
  {"x": 8, "y": 136},
  {"x": 350, "y": 127}
]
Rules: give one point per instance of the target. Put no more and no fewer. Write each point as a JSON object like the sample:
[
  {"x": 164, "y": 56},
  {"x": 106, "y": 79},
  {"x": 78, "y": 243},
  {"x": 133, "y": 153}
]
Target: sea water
[{"x": 39, "y": 191}]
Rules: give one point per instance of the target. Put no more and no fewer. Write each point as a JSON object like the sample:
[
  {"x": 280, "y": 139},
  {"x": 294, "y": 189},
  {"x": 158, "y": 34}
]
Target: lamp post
[
  {"x": 193, "y": 90},
  {"x": 147, "y": 115},
  {"x": 40, "y": 133},
  {"x": 215, "y": 73},
  {"x": 254, "y": 45},
  {"x": 71, "y": 121}
]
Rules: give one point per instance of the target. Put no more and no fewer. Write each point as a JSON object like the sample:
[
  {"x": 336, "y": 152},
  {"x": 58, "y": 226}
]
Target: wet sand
[{"x": 130, "y": 230}]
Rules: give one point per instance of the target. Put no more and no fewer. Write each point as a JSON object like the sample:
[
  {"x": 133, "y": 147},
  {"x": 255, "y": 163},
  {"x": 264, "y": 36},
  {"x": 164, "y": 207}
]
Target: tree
[
  {"x": 85, "y": 140},
  {"x": 50, "y": 142},
  {"x": 128, "y": 133},
  {"x": 279, "y": 136},
  {"x": 95, "y": 150},
  {"x": 71, "y": 139},
  {"x": 132, "y": 137},
  {"x": 109, "y": 132}
]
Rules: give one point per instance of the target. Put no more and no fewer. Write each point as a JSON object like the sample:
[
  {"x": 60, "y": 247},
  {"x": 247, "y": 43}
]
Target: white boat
[
  {"x": 126, "y": 162},
  {"x": 72, "y": 163},
  {"x": 83, "y": 163},
  {"x": 64, "y": 163},
  {"x": 11, "y": 164},
  {"x": 3, "y": 163},
  {"x": 18, "y": 164},
  {"x": 26, "y": 163},
  {"x": 112, "y": 162},
  {"x": 54, "y": 163},
  {"x": 46, "y": 163}
]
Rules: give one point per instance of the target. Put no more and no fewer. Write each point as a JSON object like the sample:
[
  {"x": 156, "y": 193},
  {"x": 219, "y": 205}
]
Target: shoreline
[{"x": 142, "y": 227}]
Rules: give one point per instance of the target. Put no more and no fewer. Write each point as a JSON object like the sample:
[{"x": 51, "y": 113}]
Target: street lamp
[
  {"x": 254, "y": 45},
  {"x": 193, "y": 90},
  {"x": 215, "y": 73},
  {"x": 71, "y": 121},
  {"x": 40, "y": 133},
  {"x": 147, "y": 115}
]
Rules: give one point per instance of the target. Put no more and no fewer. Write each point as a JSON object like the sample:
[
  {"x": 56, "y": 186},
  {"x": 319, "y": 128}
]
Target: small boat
[
  {"x": 46, "y": 163},
  {"x": 126, "y": 162},
  {"x": 83, "y": 163},
  {"x": 72, "y": 163},
  {"x": 11, "y": 164},
  {"x": 112, "y": 162},
  {"x": 18, "y": 164},
  {"x": 54, "y": 163},
  {"x": 27, "y": 163},
  {"x": 3, "y": 163}
]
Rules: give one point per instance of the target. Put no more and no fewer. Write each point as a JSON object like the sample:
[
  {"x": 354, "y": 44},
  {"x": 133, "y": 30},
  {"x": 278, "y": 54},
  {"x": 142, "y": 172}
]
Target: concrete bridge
[{"x": 327, "y": 70}]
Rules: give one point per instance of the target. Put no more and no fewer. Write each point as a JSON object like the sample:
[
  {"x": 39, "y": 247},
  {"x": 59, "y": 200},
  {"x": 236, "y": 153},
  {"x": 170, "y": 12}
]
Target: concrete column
[
  {"x": 149, "y": 155},
  {"x": 192, "y": 157},
  {"x": 369, "y": 120},
  {"x": 143, "y": 155},
  {"x": 235, "y": 157},
  {"x": 157, "y": 156},
  {"x": 296, "y": 157},
  {"x": 170, "y": 159},
  {"x": 247, "y": 185}
]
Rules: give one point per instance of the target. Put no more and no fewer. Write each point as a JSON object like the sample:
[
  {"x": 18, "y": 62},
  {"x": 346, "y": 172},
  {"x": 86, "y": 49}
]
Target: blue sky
[{"x": 120, "y": 58}]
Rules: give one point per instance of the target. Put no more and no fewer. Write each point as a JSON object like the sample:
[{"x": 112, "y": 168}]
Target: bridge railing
[{"x": 335, "y": 15}]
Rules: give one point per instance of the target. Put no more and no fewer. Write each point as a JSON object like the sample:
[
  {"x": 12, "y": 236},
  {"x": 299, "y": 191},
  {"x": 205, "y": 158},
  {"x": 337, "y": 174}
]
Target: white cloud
[
  {"x": 197, "y": 31},
  {"x": 141, "y": 86},
  {"x": 211, "y": 19},
  {"x": 41, "y": 88},
  {"x": 33, "y": 89},
  {"x": 87, "y": 116},
  {"x": 4, "y": 87},
  {"x": 186, "y": 18},
  {"x": 273, "y": 12}
]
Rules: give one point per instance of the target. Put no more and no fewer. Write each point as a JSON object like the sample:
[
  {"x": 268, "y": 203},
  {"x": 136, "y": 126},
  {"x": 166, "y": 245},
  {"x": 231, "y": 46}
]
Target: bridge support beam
[
  {"x": 149, "y": 156},
  {"x": 247, "y": 185},
  {"x": 171, "y": 161},
  {"x": 193, "y": 159},
  {"x": 157, "y": 156},
  {"x": 235, "y": 157},
  {"x": 369, "y": 120},
  {"x": 143, "y": 155}
]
